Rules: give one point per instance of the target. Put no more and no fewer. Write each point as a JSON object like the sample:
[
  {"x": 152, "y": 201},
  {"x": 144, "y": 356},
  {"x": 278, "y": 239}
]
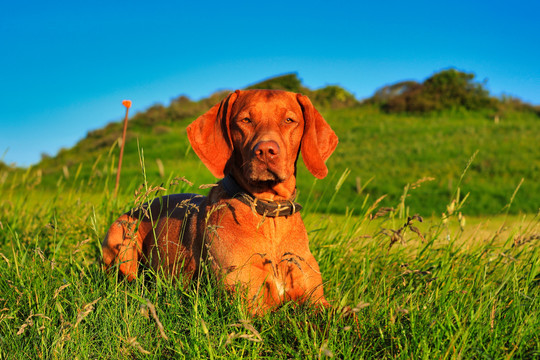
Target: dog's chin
[{"x": 263, "y": 180}]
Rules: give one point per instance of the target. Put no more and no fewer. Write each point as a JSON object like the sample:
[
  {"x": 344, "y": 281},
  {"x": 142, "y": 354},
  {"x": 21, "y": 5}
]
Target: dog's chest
[
  {"x": 272, "y": 252},
  {"x": 242, "y": 227},
  {"x": 238, "y": 236}
]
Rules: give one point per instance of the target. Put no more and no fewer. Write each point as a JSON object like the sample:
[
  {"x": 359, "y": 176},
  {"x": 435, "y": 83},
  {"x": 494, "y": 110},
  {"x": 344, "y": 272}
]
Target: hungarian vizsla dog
[{"x": 248, "y": 229}]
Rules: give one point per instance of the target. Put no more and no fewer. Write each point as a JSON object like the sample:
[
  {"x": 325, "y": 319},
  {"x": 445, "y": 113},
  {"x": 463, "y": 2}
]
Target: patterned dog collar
[{"x": 262, "y": 207}]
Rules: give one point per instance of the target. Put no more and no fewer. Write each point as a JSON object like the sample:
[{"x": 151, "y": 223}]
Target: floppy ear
[
  {"x": 209, "y": 136},
  {"x": 318, "y": 141}
]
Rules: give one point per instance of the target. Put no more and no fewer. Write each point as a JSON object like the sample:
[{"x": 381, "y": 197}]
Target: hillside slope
[{"x": 385, "y": 153}]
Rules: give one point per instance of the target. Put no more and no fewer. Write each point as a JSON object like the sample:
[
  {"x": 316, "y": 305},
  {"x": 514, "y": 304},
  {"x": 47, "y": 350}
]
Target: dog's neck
[{"x": 264, "y": 207}]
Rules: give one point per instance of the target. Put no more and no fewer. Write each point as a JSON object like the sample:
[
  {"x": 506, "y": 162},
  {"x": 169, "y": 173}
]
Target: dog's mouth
[
  {"x": 260, "y": 186},
  {"x": 263, "y": 176},
  {"x": 265, "y": 180}
]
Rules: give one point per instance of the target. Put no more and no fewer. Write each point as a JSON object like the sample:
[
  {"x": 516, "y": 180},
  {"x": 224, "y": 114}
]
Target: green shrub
[{"x": 448, "y": 89}]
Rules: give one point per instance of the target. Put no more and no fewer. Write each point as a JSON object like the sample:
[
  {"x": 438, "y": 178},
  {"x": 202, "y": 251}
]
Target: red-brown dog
[{"x": 248, "y": 228}]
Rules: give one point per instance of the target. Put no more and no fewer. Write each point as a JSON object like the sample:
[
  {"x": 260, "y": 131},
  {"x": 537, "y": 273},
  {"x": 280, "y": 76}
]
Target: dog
[{"x": 248, "y": 229}]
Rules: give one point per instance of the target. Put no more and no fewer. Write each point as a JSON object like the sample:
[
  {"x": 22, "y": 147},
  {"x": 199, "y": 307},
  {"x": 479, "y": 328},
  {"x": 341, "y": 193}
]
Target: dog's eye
[
  {"x": 289, "y": 120},
  {"x": 246, "y": 120}
]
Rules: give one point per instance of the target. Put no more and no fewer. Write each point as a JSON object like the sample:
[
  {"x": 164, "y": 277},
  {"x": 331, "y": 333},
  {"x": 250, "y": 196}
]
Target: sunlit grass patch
[{"x": 403, "y": 285}]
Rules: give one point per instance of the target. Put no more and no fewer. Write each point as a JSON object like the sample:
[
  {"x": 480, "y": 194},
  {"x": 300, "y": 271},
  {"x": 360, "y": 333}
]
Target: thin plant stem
[{"x": 127, "y": 104}]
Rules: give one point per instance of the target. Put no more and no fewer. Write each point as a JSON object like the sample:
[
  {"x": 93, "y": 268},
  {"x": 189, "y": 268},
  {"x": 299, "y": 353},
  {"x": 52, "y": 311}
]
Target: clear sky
[{"x": 65, "y": 66}]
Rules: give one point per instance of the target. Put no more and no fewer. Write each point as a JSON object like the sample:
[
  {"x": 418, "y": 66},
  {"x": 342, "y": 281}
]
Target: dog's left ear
[
  {"x": 318, "y": 141},
  {"x": 209, "y": 136}
]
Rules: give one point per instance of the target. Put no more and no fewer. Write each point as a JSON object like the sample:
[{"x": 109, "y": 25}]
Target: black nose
[{"x": 266, "y": 150}]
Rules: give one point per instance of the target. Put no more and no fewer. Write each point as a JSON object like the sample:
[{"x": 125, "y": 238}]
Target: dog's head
[{"x": 257, "y": 135}]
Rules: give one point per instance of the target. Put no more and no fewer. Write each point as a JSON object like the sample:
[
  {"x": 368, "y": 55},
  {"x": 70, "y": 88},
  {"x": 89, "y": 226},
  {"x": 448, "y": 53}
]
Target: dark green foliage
[
  {"x": 386, "y": 93},
  {"x": 288, "y": 82},
  {"x": 448, "y": 89},
  {"x": 3, "y": 165},
  {"x": 454, "y": 89},
  {"x": 182, "y": 107},
  {"x": 333, "y": 97},
  {"x": 328, "y": 97},
  {"x": 508, "y": 104}
]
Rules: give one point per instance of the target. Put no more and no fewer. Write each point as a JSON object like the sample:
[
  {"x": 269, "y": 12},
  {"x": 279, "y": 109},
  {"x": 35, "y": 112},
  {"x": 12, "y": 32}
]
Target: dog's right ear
[{"x": 209, "y": 136}]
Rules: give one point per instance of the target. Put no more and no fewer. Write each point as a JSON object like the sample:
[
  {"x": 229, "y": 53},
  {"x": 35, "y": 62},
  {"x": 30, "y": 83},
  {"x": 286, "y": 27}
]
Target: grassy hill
[
  {"x": 381, "y": 152},
  {"x": 399, "y": 288}
]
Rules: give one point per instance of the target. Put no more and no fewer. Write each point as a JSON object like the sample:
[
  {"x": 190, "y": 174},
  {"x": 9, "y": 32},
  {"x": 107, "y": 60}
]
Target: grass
[
  {"x": 383, "y": 153},
  {"x": 441, "y": 288}
]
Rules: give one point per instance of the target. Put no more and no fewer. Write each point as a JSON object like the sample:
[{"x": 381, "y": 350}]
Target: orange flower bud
[{"x": 126, "y": 103}]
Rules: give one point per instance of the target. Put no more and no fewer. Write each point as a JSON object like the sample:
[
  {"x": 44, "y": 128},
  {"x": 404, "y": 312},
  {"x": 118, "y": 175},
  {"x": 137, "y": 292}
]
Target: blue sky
[{"x": 66, "y": 66}]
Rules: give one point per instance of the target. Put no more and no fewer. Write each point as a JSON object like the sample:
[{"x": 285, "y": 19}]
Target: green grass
[
  {"x": 383, "y": 153},
  {"x": 459, "y": 293},
  {"x": 395, "y": 150}
]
